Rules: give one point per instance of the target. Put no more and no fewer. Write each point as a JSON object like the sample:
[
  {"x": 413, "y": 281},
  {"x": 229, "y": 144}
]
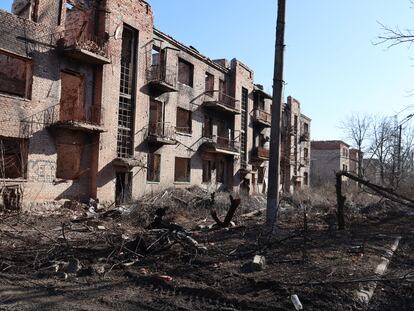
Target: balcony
[
  {"x": 222, "y": 145},
  {"x": 260, "y": 154},
  {"x": 221, "y": 102},
  {"x": 262, "y": 117},
  {"x": 162, "y": 78},
  {"x": 74, "y": 118},
  {"x": 160, "y": 134},
  {"x": 85, "y": 47}
]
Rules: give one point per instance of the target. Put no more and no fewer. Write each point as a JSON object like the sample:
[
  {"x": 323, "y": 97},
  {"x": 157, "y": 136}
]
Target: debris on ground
[{"x": 165, "y": 252}]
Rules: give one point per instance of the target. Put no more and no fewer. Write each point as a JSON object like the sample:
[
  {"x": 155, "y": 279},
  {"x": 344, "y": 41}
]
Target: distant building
[
  {"x": 328, "y": 158},
  {"x": 295, "y": 147}
]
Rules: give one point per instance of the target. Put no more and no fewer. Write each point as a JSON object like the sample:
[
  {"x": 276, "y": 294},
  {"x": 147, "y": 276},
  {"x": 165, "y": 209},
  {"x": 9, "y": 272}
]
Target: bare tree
[
  {"x": 395, "y": 35},
  {"x": 356, "y": 128},
  {"x": 382, "y": 133}
]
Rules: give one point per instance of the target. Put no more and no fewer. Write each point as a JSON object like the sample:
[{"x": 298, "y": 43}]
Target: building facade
[
  {"x": 328, "y": 158},
  {"x": 96, "y": 103}
]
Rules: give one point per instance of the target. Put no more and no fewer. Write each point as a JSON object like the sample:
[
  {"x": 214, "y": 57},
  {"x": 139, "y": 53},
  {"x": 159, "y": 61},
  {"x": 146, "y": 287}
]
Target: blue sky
[{"x": 331, "y": 65}]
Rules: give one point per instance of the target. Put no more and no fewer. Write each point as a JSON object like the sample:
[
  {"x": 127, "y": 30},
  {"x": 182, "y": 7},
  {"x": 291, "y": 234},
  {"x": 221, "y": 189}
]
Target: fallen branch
[{"x": 234, "y": 203}]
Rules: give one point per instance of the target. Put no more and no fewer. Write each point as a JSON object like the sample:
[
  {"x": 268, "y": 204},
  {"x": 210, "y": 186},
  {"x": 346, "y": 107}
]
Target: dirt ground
[{"x": 321, "y": 265}]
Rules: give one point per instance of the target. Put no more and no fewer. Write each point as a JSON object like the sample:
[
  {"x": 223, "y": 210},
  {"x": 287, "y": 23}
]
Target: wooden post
[{"x": 341, "y": 201}]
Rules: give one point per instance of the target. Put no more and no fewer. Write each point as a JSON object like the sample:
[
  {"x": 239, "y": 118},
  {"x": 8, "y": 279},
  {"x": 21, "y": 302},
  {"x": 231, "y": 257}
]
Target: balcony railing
[
  {"x": 221, "y": 100},
  {"x": 86, "y": 46},
  {"x": 262, "y": 116},
  {"x": 90, "y": 119},
  {"x": 91, "y": 115},
  {"x": 221, "y": 143},
  {"x": 163, "y": 76},
  {"x": 160, "y": 133},
  {"x": 261, "y": 153}
]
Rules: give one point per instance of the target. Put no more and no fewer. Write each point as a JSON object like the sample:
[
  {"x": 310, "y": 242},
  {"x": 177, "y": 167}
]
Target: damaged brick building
[{"x": 96, "y": 103}]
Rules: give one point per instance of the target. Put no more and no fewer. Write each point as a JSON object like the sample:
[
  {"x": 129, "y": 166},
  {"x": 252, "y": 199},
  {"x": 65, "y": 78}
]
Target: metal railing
[
  {"x": 80, "y": 39},
  {"x": 261, "y": 115},
  {"x": 222, "y": 142},
  {"x": 160, "y": 130},
  {"x": 91, "y": 115},
  {"x": 54, "y": 114},
  {"x": 162, "y": 74},
  {"x": 222, "y": 99}
]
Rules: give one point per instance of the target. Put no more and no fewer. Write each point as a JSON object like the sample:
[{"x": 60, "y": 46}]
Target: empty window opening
[
  {"x": 123, "y": 187},
  {"x": 68, "y": 164},
  {"x": 209, "y": 84},
  {"x": 184, "y": 121},
  {"x": 208, "y": 126},
  {"x": 69, "y": 6},
  {"x": 305, "y": 153},
  {"x": 72, "y": 102},
  {"x": 153, "y": 167},
  {"x": 127, "y": 93},
  {"x": 260, "y": 174},
  {"x": 306, "y": 128},
  {"x": 13, "y": 158},
  {"x": 182, "y": 169},
  {"x": 185, "y": 72},
  {"x": 15, "y": 75},
  {"x": 305, "y": 179},
  {"x": 26, "y": 9},
  {"x": 221, "y": 164},
  {"x": 156, "y": 118},
  {"x": 155, "y": 56},
  {"x": 207, "y": 168}
]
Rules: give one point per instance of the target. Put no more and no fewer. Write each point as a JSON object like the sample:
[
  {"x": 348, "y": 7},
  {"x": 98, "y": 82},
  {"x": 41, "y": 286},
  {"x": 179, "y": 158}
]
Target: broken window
[
  {"x": 207, "y": 167},
  {"x": 126, "y": 108},
  {"x": 153, "y": 167},
  {"x": 68, "y": 162},
  {"x": 185, "y": 72},
  {"x": 209, "y": 84},
  {"x": 184, "y": 122},
  {"x": 15, "y": 75},
  {"x": 13, "y": 158},
  {"x": 182, "y": 169}
]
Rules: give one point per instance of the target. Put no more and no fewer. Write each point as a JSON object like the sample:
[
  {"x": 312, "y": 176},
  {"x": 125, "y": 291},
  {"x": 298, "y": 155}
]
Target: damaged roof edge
[{"x": 189, "y": 50}]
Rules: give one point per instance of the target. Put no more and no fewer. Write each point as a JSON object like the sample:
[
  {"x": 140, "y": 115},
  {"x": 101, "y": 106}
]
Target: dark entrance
[{"x": 123, "y": 188}]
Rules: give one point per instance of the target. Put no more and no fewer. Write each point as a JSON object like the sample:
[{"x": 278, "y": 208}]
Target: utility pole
[{"x": 274, "y": 159}]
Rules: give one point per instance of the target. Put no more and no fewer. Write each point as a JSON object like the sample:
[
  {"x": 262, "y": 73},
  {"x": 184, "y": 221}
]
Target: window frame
[
  {"x": 28, "y": 75},
  {"x": 184, "y": 129},
  {"x": 190, "y": 77},
  {"x": 187, "y": 175},
  {"x": 152, "y": 175}
]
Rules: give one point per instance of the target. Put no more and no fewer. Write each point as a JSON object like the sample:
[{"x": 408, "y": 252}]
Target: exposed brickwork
[{"x": 52, "y": 47}]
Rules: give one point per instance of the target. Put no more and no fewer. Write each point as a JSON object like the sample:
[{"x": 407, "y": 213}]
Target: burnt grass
[{"x": 321, "y": 265}]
